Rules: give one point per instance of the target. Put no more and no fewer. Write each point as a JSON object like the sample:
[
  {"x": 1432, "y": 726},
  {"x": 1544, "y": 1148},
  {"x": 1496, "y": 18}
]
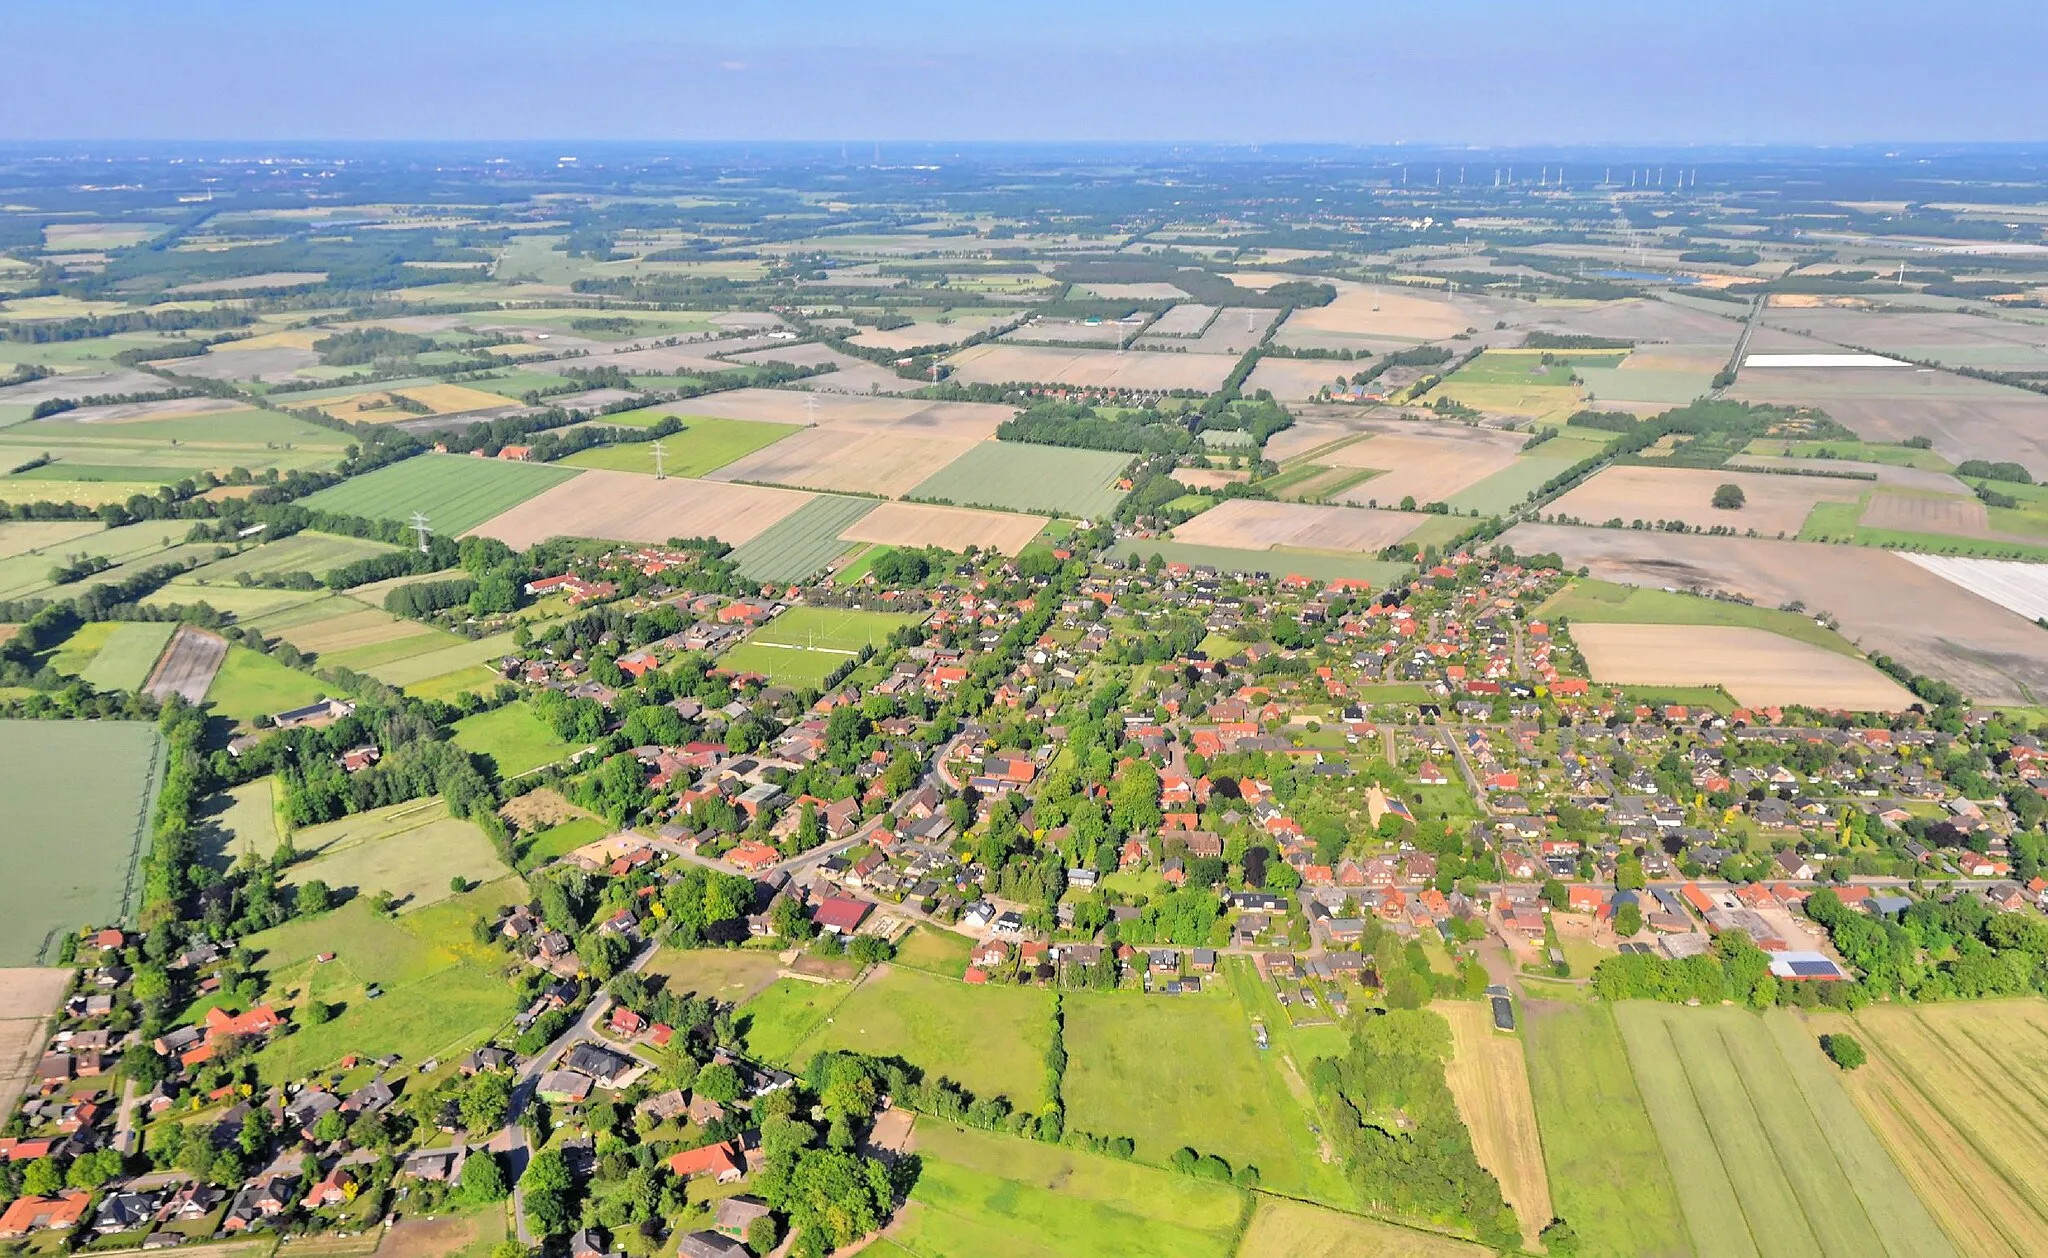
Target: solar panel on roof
[{"x": 1809, "y": 969}]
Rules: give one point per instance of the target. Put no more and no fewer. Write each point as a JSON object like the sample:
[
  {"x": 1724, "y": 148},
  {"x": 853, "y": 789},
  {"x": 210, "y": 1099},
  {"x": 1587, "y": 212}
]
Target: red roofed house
[
  {"x": 753, "y": 855},
  {"x": 717, "y": 1160},
  {"x": 840, "y": 915},
  {"x": 30, "y": 1214},
  {"x": 1586, "y": 899}
]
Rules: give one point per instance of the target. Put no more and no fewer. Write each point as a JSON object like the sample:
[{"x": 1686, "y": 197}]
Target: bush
[
  {"x": 1843, "y": 1050},
  {"x": 1730, "y": 497}
]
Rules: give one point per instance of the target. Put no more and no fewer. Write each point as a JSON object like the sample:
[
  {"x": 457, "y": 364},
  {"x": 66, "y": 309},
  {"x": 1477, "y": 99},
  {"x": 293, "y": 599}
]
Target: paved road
[{"x": 124, "y": 1120}]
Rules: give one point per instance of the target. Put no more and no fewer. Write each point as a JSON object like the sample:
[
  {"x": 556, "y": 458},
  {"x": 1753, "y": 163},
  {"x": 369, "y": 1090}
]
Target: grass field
[
  {"x": 78, "y": 794},
  {"x": 28, "y": 569},
  {"x": 1315, "y": 565},
  {"x": 1219, "y": 1094},
  {"x": 777, "y": 1021},
  {"x": 251, "y": 685},
  {"x": 1951, "y": 1091},
  {"x": 1490, "y": 1079},
  {"x": 1608, "y": 1177},
  {"x": 543, "y": 846},
  {"x": 412, "y": 850},
  {"x": 458, "y": 654},
  {"x": 514, "y": 738},
  {"x": 1602, "y": 602},
  {"x": 242, "y": 822},
  {"x": 704, "y": 445},
  {"x": 731, "y": 975},
  {"x": 1013, "y": 476},
  {"x": 1004, "y": 1197},
  {"x": 1513, "y": 484},
  {"x": 18, "y": 537},
  {"x": 1851, "y": 451},
  {"x": 990, "y": 1040},
  {"x": 799, "y": 544},
  {"x": 1289, "y": 1229},
  {"x": 1758, "y": 1120},
  {"x": 934, "y": 951},
  {"x": 456, "y": 492},
  {"x": 803, "y": 645},
  {"x": 316, "y": 553},
  {"x": 130, "y": 651}
]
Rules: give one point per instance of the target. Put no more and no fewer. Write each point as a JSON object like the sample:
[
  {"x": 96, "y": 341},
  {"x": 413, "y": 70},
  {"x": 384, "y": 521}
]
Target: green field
[
  {"x": 1220, "y": 1095},
  {"x": 78, "y": 794},
  {"x": 458, "y": 655},
  {"x": 249, "y": 685},
  {"x": 1013, "y": 476},
  {"x": 543, "y": 846},
  {"x": 798, "y": 545},
  {"x": 704, "y": 445},
  {"x": 514, "y": 738},
  {"x": 1604, "y": 603},
  {"x": 1851, "y": 452},
  {"x": 130, "y": 652},
  {"x": 19, "y": 537},
  {"x": 315, "y": 553},
  {"x": 449, "y": 687},
  {"x": 775, "y": 1023},
  {"x": 1608, "y": 1177},
  {"x": 457, "y": 492},
  {"x": 1512, "y": 485},
  {"x": 241, "y": 823},
  {"x": 991, "y": 1040},
  {"x": 29, "y": 570},
  {"x": 412, "y": 850},
  {"x": 1751, "y": 1115},
  {"x": 730, "y": 975},
  {"x": 1316, "y": 565},
  {"x": 1526, "y": 367},
  {"x": 935, "y": 951},
  {"x": 1005, "y": 1197},
  {"x": 803, "y": 645}
]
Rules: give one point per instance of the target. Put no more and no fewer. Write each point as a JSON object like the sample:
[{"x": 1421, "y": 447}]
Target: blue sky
[{"x": 1368, "y": 71}]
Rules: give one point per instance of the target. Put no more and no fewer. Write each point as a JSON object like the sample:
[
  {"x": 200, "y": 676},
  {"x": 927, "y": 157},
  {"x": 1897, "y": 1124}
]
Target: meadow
[
  {"x": 775, "y": 1023},
  {"x": 730, "y": 975},
  {"x": 1603, "y": 602},
  {"x": 514, "y": 738},
  {"x": 457, "y": 492},
  {"x": 1608, "y": 1177},
  {"x": 558, "y": 840},
  {"x": 315, "y": 553},
  {"x": 124, "y": 660},
  {"x": 241, "y": 823},
  {"x": 412, "y": 850},
  {"x": 802, "y": 542},
  {"x": 457, "y": 655},
  {"x": 79, "y": 794},
  {"x": 28, "y": 570},
  {"x": 1013, "y": 476},
  {"x": 251, "y": 685},
  {"x": 705, "y": 444}
]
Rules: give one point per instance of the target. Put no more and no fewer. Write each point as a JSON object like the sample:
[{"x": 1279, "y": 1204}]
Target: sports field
[
  {"x": 804, "y": 644},
  {"x": 1767, "y": 1152},
  {"x": 705, "y": 444},
  {"x": 79, "y": 795},
  {"x": 1014, "y": 476},
  {"x": 514, "y": 738},
  {"x": 456, "y": 492},
  {"x": 1169, "y": 1072},
  {"x": 1939, "y": 1089},
  {"x": 411, "y": 850},
  {"x": 1608, "y": 1177},
  {"x": 249, "y": 685},
  {"x": 1490, "y": 1079},
  {"x": 985, "y": 1194},
  {"x": 800, "y": 543}
]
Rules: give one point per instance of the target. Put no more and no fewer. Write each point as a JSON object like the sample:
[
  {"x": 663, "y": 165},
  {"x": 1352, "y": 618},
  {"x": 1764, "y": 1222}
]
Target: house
[
  {"x": 335, "y": 1188},
  {"x": 125, "y": 1212},
  {"x": 718, "y": 1160},
  {"x": 35, "y": 1214},
  {"x": 752, "y": 856},
  {"x": 1793, "y": 865},
  {"x": 840, "y": 915},
  {"x": 563, "y": 1086},
  {"x": 602, "y": 1064},
  {"x": 436, "y": 1166},
  {"x": 259, "y": 1201},
  {"x": 736, "y": 1214},
  {"x": 709, "y": 1245}
]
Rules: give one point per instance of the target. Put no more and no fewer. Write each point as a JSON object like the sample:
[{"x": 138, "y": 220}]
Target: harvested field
[
  {"x": 1138, "y": 370},
  {"x": 849, "y": 374},
  {"x": 1427, "y": 462},
  {"x": 28, "y": 997},
  {"x": 139, "y": 412},
  {"x": 1314, "y": 429},
  {"x": 1210, "y": 477},
  {"x": 889, "y": 462},
  {"x": 1490, "y": 1080},
  {"x": 1882, "y": 602},
  {"x": 1889, "y": 475},
  {"x": 1924, "y": 513},
  {"x": 456, "y": 492},
  {"x": 1234, "y": 330},
  {"x": 374, "y": 405},
  {"x": 1155, "y": 291},
  {"x": 1965, "y": 418},
  {"x": 2021, "y": 588},
  {"x": 1290, "y": 1229},
  {"x": 1295, "y": 379},
  {"x": 915, "y": 417},
  {"x": 187, "y": 666},
  {"x": 1396, "y": 312},
  {"x": 627, "y": 507},
  {"x": 21, "y": 537},
  {"x": 1775, "y": 505},
  {"x": 79, "y": 385},
  {"x": 950, "y": 528},
  {"x": 1106, "y": 332},
  {"x": 795, "y": 547},
  {"x": 1186, "y": 320},
  {"x": 1249, "y": 524},
  {"x": 957, "y": 327},
  {"x": 1952, "y": 338},
  {"x": 1015, "y": 476},
  {"x": 274, "y": 366},
  {"x": 1757, "y": 667}
]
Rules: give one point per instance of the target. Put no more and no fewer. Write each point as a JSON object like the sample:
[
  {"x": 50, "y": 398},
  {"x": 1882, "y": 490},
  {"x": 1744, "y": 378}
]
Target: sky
[{"x": 1480, "y": 72}]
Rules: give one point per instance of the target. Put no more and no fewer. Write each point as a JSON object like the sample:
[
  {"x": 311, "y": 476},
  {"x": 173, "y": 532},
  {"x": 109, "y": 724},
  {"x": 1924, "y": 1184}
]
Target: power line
[
  {"x": 419, "y": 526},
  {"x": 659, "y": 452}
]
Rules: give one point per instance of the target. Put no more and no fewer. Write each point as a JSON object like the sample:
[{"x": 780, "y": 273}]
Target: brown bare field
[
  {"x": 930, "y": 332},
  {"x": 1249, "y": 524},
  {"x": 629, "y": 507},
  {"x": 273, "y": 365},
  {"x": 1182, "y": 322},
  {"x": 28, "y": 996},
  {"x": 1645, "y": 320},
  {"x": 1105, "y": 332},
  {"x": 1136, "y": 292},
  {"x": 540, "y": 809},
  {"x": 1921, "y": 513},
  {"x": 1882, "y": 602},
  {"x": 1954, "y": 338},
  {"x": 168, "y": 408},
  {"x": 443, "y": 399},
  {"x": 888, "y": 462},
  {"x": 1290, "y": 379},
  {"x": 1398, "y": 311},
  {"x": 1965, "y": 418},
  {"x": 1970, "y": 1147},
  {"x": 850, "y": 374},
  {"x": 1429, "y": 462},
  {"x": 1139, "y": 370},
  {"x": 439, "y": 1236},
  {"x": 1314, "y": 429},
  {"x": 187, "y": 666},
  {"x": 1489, "y": 1078},
  {"x": 1776, "y": 504},
  {"x": 910, "y": 416},
  {"x": 952, "y": 528},
  {"x": 1759, "y": 668},
  {"x": 1209, "y": 477},
  {"x": 1885, "y": 474},
  {"x": 683, "y": 359}
]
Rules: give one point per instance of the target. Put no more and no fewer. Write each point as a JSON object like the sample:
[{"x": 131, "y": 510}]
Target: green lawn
[
  {"x": 935, "y": 951},
  {"x": 457, "y": 492},
  {"x": 79, "y": 795},
  {"x": 1014, "y": 476},
  {"x": 557, "y": 841},
  {"x": 412, "y": 850},
  {"x": 1766, "y": 1149},
  {"x": 704, "y": 445},
  {"x": 1608, "y": 1177},
  {"x": 804, "y": 645},
  {"x": 1602, "y": 602},
  {"x": 514, "y": 738},
  {"x": 249, "y": 685},
  {"x": 984, "y": 1194},
  {"x": 775, "y": 1023}
]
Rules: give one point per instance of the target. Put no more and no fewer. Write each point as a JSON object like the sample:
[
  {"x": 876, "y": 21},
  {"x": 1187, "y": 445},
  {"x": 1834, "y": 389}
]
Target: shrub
[
  {"x": 1843, "y": 1050},
  {"x": 1730, "y": 497}
]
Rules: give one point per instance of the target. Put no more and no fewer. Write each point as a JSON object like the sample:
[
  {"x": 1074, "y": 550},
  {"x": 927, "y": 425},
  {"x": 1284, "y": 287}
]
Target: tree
[
  {"x": 329, "y": 1127},
  {"x": 43, "y": 1178},
  {"x": 1628, "y": 919},
  {"x": 313, "y": 898},
  {"x": 483, "y": 1179},
  {"x": 761, "y": 1234},
  {"x": 719, "y": 1082},
  {"x": 548, "y": 1183},
  {"x": 486, "y": 1101},
  {"x": 1843, "y": 1050},
  {"x": 1729, "y": 497}
]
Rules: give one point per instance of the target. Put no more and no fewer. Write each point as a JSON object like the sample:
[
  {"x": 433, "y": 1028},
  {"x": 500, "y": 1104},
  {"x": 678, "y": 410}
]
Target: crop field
[
  {"x": 971, "y": 420},
  {"x": 29, "y": 570},
  {"x": 1290, "y": 1229},
  {"x": 1750, "y": 1114},
  {"x": 1774, "y": 506},
  {"x": 1526, "y": 368},
  {"x": 1428, "y": 463},
  {"x": 1249, "y": 524},
  {"x": 1965, "y": 419},
  {"x": 21, "y": 537},
  {"x": 958, "y": 326},
  {"x": 1315, "y": 565},
  {"x": 244, "y": 602},
  {"x": 1017, "y": 477},
  {"x": 802, "y": 542},
  {"x": 28, "y": 996},
  {"x": 87, "y": 493},
  {"x": 374, "y": 405},
  {"x": 990, "y": 1040},
  {"x": 1512, "y": 485},
  {"x": 890, "y": 462},
  {"x": 343, "y": 631},
  {"x": 1295, "y": 379},
  {"x": 1607, "y": 1171},
  {"x": 456, "y": 492},
  {"x": 2021, "y": 588},
  {"x": 411, "y": 850},
  {"x": 1169, "y": 1072},
  {"x": 1925, "y": 513},
  {"x": 1952, "y": 338},
  {"x": 249, "y": 685},
  {"x": 1934, "y": 1092},
  {"x": 1757, "y": 667},
  {"x": 1490, "y": 1079},
  {"x": 622, "y": 506},
  {"x": 1882, "y": 602},
  {"x": 514, "y": 738},
  {"x": 949, "y": 528},
  {"x": 1599, "y": 602},
  {"x": 1091, "y": 368},
  {"x": 315, "y": 553},
  {"x": 79, "y": 795},
  {"x": 704, "y": 445},
  {"x": 458, "y": 654},
  {"x": 1851, "y": 453},
  {"x": 130, "y": 651},
  {"x": 981, "y": 1193}
]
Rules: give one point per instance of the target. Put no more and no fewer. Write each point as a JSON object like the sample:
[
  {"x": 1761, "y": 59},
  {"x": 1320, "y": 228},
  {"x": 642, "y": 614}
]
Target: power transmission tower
[
  {"x": 659, "y": 453},
  {"x": 419, "y": 526}
]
